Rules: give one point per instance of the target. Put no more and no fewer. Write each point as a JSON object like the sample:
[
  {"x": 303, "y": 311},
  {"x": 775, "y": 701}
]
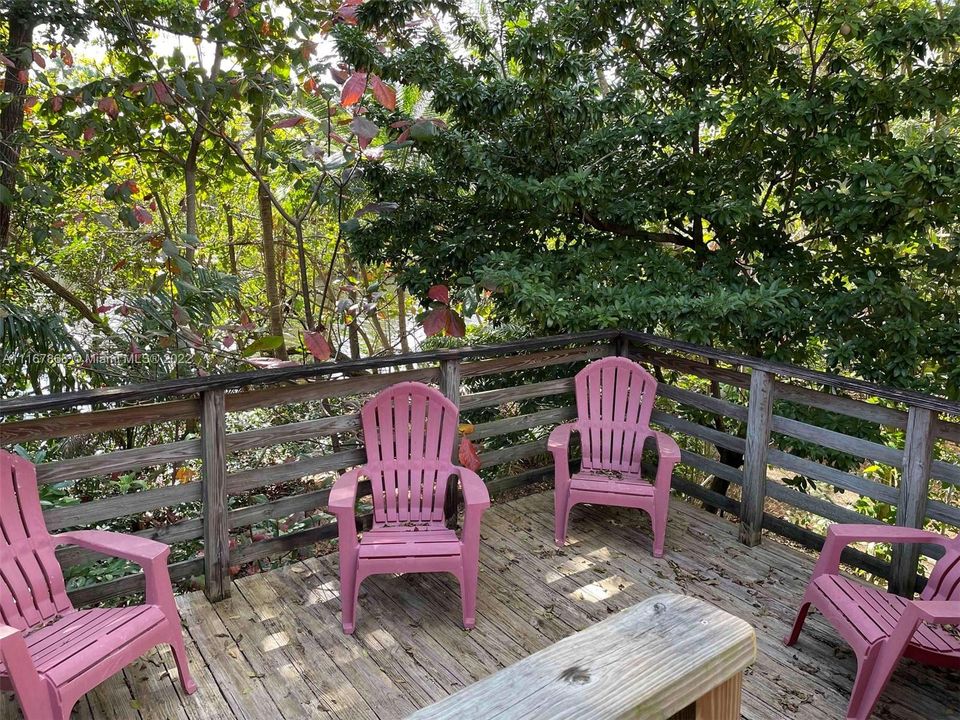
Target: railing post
[
  {"x": 216, "y": 530},
  {"x": 914, "y": 491},
  {"x": 450, "y": 387},
  {"x": 621, "y": 346},
  {"x": 759, "y": 417}
]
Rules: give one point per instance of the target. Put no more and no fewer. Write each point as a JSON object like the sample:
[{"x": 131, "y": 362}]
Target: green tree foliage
[{"x": 777, "y": 177}]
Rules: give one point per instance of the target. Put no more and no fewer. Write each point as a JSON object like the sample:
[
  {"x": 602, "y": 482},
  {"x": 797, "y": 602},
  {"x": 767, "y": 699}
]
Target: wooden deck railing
[{"x": 516, "y": 370}]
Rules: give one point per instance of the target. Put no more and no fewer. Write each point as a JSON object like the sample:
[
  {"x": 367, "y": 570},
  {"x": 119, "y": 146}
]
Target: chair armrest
[
  {"x": 839, "y": 535},
  {"x": 140, "y": 550},
  {"x": 475, "y": 493},
  {"x": 343, "y": 494},
  {"x": 872, "y": 532},
  {"x": 667, "y": 447},
  {"x": 560, "y": 436},
  {"x": 938, "y": 612}
]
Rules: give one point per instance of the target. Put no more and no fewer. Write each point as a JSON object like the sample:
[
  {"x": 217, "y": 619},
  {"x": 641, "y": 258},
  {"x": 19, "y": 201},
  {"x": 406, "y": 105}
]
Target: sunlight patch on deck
[
  {"x": 601, "y": 589},
  {"x": 275, "y": 641}
]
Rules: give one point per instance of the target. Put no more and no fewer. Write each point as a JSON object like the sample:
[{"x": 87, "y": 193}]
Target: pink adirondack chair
[
  {"x": 881, "y": 627},
  {"x": 409, "y": 431},
  {"x": 50, "y": 652},
  {"x": 614, "y": 402}
]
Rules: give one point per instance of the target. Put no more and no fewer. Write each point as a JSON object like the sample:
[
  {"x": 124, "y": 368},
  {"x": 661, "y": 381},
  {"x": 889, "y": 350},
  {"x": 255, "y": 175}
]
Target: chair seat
[
  {"x": 75, "y": 642},
  {"x": 611, "y": 481},
  {"x": 425, "y": 539},
  {"x": 874, "y": 614}
]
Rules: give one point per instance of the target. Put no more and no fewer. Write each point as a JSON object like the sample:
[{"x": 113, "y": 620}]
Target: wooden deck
[{"x": 275, "y": 649}]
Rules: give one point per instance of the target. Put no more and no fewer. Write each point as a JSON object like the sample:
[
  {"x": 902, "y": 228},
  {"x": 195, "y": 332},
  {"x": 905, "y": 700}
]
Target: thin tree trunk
[
  {"x": 402, "y": 321},
  {"x": 270, "y": 268},
  {"x": 19, "y": 38},
  {"x": 304, "y": 279}
]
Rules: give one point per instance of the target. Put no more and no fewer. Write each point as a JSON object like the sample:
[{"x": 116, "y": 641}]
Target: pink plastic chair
[
  {"x": 51, "y": 653},
  {"x": 409, "y": 431},
  {"x": 614, "y": 401},
  {"x": 879, "y": 626}
]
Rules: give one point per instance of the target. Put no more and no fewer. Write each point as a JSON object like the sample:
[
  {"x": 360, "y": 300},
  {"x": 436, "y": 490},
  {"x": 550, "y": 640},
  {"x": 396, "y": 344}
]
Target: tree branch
[
  {"x": 67, "y": 295},
  {"x": 633, "y": 232}
]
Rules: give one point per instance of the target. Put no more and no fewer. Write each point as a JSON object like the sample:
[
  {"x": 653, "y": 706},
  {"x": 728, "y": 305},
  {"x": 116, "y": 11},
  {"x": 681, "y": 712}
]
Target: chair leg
[
  {"x": 468, "y": 593},
  {"x": 183, "y": 665},
  {"x": 561, "y": 516},
  {"x": 791, "y": 639},
  {"x": 659, "y": 522},
  {"x": 349, "y": 592},
  {"x": 872, "y": 677}
]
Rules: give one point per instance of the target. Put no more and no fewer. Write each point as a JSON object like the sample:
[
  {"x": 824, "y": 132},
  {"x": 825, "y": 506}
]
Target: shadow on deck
[{"x": 275, "y": 649}]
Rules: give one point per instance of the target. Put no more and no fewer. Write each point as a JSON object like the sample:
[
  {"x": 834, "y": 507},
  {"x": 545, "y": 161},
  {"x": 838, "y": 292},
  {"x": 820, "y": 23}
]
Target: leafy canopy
[{"x": 777, "y": 177}]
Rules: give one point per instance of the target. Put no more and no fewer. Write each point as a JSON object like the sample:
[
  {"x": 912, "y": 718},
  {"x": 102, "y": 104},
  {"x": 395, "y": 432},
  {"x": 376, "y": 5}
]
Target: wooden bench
[{"x": 669, "y": 657}]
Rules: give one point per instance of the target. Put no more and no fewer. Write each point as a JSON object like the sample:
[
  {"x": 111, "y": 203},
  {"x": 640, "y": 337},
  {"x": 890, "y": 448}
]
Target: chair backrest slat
[
  {"x": 31, "y": 582},
  {"x": 944, "y": 582},
  {"x": 614, "y": 402},
  {"x": 409, "y": 430}
]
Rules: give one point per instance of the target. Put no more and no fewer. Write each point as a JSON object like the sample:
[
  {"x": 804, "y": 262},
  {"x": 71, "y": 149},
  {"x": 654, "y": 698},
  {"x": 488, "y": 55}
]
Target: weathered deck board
[{"x": 275, "y": 649}]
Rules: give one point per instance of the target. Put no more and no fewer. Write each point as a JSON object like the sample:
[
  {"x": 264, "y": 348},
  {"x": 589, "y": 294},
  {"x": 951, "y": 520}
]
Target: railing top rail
[
  {"x": 839, "y": 382},
  {"x": 233, "y": 381}
]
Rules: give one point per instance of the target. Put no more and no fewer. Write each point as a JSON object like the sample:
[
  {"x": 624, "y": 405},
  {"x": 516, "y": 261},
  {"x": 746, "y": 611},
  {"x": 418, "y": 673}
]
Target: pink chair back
[
  {"x": 31, "y": 581},
  {"x": 614, "y": 402},
  {"x": 409, "y": 430},
  {"x": 944, "y": 582}
]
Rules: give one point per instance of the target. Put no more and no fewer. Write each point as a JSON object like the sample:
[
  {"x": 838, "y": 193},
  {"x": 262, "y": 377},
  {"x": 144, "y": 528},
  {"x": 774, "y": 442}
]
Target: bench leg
[{"x": 723, "y": 702}]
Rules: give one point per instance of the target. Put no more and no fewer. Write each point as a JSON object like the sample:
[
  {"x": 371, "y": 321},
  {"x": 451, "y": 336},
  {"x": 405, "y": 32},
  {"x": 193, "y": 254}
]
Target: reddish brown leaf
[
  {"x": 353, "y": 89},
  {"x": 288, "y": 123},
  {"x": 89, "y": 132},
  {"x": 67, "y": 57},
  {"x": 6, "y": 61},
  {"x": 142, "y": 215},
  {"x": 29, "y": 102},
  {"x": 384, "y": 94},
  {"x": 39, "y": 60},
  {"x": 440, "y": 293},
  {"x": 162, "y": 93},
  {"x": 468, "y": 455},
  {"x": 455, "y": 327},
  {"x": 56, "y": 104},
  {"x": 307, "y": 49},
  {"x": 109, "y": 107},
  {"x": 23, "y": 77},
  {"x": 317, "y": 345},
  {"x": 436, "y": 321}
]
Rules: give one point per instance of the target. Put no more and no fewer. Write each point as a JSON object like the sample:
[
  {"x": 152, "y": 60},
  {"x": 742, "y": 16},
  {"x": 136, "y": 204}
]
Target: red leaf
[
  {"x": 468, "y": 456},
  {"x": 23, "y": 77},
  {"x": 455, "y": 325},
  {"x": 142, "y": 215},
  {"x": 134, "y": 351},
  {"x": 56, "y": 104},
  {"x": 204, "y": 5},
  {"x": 108, "y": 106},
  {"x": 340, "y": 75},
  {"x": 353, "y": 89},
  {"x": 67, "y": 57},
  {"x": 234, "y": 9},
  {"x": 162, "y": 93},
  {"x": 309, "y": 85},
  {"x": 229, "y": 341},
  {"x": 440, "y": 293},
  {"x": 307, "y": 49},
  {"x": 384, "y": 94},
  {"x": 317, "y": 345},
  {"x": 288, "y": 122},
  {"x": 38, "y": 59},
  {"x": 436, "y": 321},
  {"x": 69, "y": 152},
  {"x": 6, "y": 61},
  {"x": 245, "y": 323},
  {"x": 103, "y": 309},
  {"x": 88, "y": 133},
  {"x": 29, "y": 102}
]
